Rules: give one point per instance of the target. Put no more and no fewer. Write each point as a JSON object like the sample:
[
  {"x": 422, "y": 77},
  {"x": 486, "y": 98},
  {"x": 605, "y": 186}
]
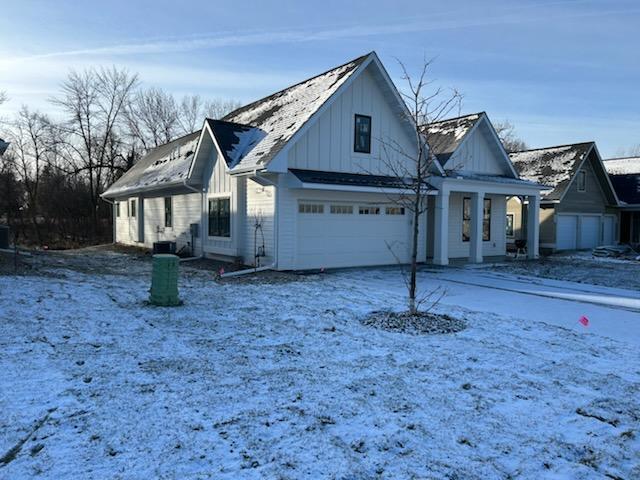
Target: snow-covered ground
[{"x": 275, "y": 377}]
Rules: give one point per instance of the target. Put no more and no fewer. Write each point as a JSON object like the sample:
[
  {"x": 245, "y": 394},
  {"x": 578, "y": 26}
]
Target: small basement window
[
  {"x": 582, "y": 181},
  {"x": 510, "y": 218},
  {"x": 342, "y": 209},
  {"x": 168, "y": 211},
  {"x": 369, "y": 210},
  {"x": 394, "y": 211},
  {"x": 132, "y": 209},
  {"x": 311, "y": 208},
  {"x": 220, "y": 217},
  {"x": 362, "y": 134}
]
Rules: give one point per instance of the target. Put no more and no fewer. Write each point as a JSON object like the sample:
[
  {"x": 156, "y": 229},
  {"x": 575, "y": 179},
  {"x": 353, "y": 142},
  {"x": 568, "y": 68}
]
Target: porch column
[
  {"x": 533, "y": 227},
  {"x": 477, "y": 213},
  {"x": 441, "y": 229}
]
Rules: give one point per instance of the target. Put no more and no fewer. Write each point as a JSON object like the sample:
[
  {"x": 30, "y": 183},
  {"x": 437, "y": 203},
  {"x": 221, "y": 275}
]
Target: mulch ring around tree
[{"x": 421, "y": 323}]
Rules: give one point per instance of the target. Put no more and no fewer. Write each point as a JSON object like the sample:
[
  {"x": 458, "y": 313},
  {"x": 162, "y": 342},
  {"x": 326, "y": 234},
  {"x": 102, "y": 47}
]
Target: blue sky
[{"x": 561, "y": 71}]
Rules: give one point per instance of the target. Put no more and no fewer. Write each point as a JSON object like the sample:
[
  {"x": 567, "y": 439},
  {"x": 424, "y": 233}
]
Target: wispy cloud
[{"x": 438, "y": 21}]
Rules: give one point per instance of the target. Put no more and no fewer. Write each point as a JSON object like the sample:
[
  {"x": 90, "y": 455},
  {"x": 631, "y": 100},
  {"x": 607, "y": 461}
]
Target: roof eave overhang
[
  {"x": 155, "y": 188},
  {"x": 362, "y": 189}
]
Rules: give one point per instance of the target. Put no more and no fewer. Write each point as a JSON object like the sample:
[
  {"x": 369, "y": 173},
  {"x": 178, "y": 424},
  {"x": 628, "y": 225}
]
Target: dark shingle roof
[
  {"x": 234, "y": 139},
  {"x": 283, "y": 113},
  {"x": 353, "y": 179},
  {"x": 445, "y": 136},
  {"x": 551, "y": 166},
  {"x": 163, "y": 166},
  {"x": 625, "y": 177}
]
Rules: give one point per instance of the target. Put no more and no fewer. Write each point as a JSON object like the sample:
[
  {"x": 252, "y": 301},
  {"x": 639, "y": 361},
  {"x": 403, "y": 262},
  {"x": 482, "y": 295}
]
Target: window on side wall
[
  {"x": 466, "y": 220},
  {"x": 132, "y": 209},
  {"x": 510, "y": 218},
  {"x": 220, "y": 217},
  {"x": 117, "y": 209},
  {"x": 168, "y": 211},
  {"x": 362, "y": 134},
  {"x": 582, "y": 181}
]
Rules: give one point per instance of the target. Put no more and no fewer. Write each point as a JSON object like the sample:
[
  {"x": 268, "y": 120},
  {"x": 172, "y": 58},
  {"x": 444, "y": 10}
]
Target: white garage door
[
  {"x": 566, "y": 232},
  {"x": 608, "y": 230},
  {"x": 589, "y": 231},
  {"x": 332, "y": 235}
]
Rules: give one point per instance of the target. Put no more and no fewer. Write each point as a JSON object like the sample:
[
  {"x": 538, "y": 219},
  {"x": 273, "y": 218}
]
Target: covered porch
[{"x": 467, "y": 218}]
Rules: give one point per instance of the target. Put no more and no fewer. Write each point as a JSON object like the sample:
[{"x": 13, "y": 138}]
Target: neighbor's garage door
[
  {"x": 589, "y": 231},
  {"x": 566, "y": 232},
  {"x": 343, "y": 234},
  {"x": 608, "y": 230}
]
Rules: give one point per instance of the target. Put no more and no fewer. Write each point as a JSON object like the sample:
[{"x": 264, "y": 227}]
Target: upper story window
[
  {"x": 582, "y": 181},
  {"x": 362, "y": 134}
]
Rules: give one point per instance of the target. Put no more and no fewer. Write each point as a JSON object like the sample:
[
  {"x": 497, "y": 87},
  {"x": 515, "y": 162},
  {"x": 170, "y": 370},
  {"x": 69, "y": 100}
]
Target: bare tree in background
[
  {"x": 95, "y": 102},
  {"x": 33, "y": 146},
  {"x": 507, "y": 135},
  {"x": 193, "y": 110},
  {"x": 152, "y": 118},
  {"x": 426, "y": 105},
  {"x": 219, "y": 107}
]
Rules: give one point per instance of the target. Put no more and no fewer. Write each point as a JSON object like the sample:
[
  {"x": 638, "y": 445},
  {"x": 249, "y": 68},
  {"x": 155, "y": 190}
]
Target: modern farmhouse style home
[
  {"x": 300, "y": 180},
  {"x": 579, "y": 207}
]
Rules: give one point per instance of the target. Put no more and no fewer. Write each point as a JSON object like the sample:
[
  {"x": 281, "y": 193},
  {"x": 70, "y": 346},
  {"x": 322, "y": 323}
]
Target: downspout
[
  {"x": 276, "y": 229},
  {"x": 201, "y": 192}
]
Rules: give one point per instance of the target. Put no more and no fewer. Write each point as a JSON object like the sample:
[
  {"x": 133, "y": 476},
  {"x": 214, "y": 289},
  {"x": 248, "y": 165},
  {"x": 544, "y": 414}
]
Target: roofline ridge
[
  {"x": 455, "y": 118},
  {"x": 554, "y": 146},
  {"x": 245, "y": 107},
  {"x": 621, "y": 158}
]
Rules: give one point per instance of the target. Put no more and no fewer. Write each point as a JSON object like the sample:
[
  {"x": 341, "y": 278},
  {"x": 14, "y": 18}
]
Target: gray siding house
[
  {"x": 625, "y": 177},
  {"x": 301, "y": 180},
  {"x": 578, "y": 210}
]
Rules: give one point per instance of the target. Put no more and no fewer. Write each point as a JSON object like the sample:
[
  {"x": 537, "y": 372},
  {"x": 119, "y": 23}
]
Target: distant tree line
[{"x": 55, "y": 169}]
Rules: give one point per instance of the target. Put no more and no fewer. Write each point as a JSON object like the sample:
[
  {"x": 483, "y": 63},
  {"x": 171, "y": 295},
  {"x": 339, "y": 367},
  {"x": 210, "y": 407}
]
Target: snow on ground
[
  {"x": 579, "y": 267},
  {"x": 275, "y": 377}
]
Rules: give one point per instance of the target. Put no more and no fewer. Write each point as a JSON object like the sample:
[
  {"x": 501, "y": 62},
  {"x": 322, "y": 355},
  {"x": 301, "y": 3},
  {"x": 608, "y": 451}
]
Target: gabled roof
[
  {"x": 444, "y": 137},
  {"x": 234, "y": 139},
  {"x": 625, "y": 177},
  {"x": 283, "y": 113},
  {"x": 551, "y": 166},
  {"x": 164, "y": 166}
]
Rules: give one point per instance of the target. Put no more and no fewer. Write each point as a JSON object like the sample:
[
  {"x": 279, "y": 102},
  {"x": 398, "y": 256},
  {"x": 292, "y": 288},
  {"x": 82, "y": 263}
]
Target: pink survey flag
[
  {"x": 221, "y": 272},
  {"x": 584, "y": 321}
]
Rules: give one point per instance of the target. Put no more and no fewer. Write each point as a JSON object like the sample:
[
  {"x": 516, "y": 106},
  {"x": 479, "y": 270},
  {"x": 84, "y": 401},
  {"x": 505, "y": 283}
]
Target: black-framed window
[
  {"x": 362, "y": 134},
  {"x": 510, "y": 219},
  {"x": 582, "y": 181},
  {"x": 168, "y": 211},
  {"x": 132, "y": 209},
  {"x": 219, "y": 217},
  {"x": 466, "y": 220},
  {"x": 117, "y": 209}
]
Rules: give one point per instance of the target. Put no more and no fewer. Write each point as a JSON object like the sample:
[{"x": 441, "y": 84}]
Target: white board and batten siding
[
  {"x": 328, "y": 143},
  {"x": 259, "y": 223},
  {"x": 496, "y": 246},
  {"x": 477, "y": 155}
]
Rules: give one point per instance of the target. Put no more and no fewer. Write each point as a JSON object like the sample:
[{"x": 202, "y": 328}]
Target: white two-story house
[{"x": 300, "y": 180}]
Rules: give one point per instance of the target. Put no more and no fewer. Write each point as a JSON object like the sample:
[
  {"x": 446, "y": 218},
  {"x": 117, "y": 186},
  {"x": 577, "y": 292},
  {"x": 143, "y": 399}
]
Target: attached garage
[
  {"x": 337, "y": 233},
  {"x": 566, "y": 232},
  {"x": 608, "y": 230},
  {"x": 589, "y": 231},
  {"x": 575, "y": 232}
]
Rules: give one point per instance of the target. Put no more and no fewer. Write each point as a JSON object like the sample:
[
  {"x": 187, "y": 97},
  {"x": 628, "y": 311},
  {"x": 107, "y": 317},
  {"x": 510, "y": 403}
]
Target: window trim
[
  {"x": 132, "y": 208},
  {"x": 168, "y": 220},
  {"x": 581, "y": 176},
  {"x": 488, "y": 220},
  {"x": 221, "y": 196},
  {"x": 117, "y": 209},
  {"x": 355, "y": 133},
  {"x": 513, "y": 225}
]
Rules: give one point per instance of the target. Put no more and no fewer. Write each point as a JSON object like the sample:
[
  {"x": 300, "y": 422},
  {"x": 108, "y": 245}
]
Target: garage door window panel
[
  {"x": 311, "y": 208},
  {"x": 341, "y": 209},
  {"x": 369, "y": 210}
]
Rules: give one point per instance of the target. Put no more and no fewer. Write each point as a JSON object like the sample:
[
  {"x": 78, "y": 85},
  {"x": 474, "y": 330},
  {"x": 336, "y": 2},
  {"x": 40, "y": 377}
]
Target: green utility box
[{"x": 164, "y": 280}]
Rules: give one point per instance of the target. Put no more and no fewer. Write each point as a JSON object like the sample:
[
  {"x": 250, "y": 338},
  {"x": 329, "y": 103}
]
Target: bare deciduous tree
[
  {"x": 193, "y": 110},
  {"x": 425, "y": 105},
  {"x": 94, "y": 102},
  {"x": 152, "y": 118},
  {"x": 507, "y": 135}
]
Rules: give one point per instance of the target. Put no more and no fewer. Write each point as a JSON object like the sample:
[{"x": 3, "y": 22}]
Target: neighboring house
[
  {"x": 300, "y": 180},
  {"x": 578, "y": 209},
  {"x": 625, "y": 177},
  {"x": 3, "y": 146}
]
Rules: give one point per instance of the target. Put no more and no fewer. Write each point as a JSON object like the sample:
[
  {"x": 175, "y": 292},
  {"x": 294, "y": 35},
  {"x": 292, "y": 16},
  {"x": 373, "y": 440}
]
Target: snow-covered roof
[
  {"x": 623, "y": 166},
  {"x": 445, "y": 136},
  {"x": 497, "y": 179},
  {"x": 552, "y": 166},
  {"x": 280, "y": 115},
  {"x": 234, "y": 140},
  {"x": 164, "y": 166}
]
